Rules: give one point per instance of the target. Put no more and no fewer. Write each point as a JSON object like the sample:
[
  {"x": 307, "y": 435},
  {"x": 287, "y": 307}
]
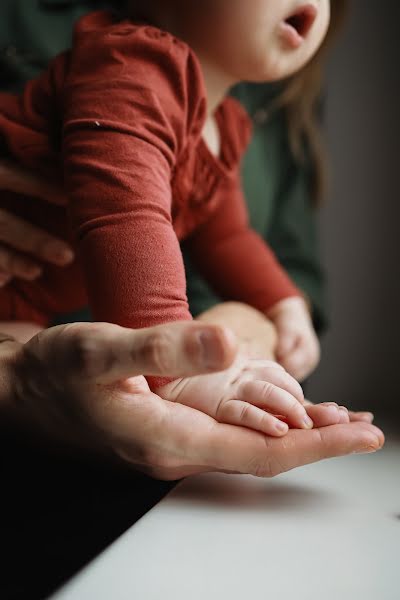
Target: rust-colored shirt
[{"x": 119, "y": 119}]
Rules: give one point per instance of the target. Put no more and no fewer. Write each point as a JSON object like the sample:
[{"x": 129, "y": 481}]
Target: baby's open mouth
[
  {"x": 295, "y": 28},
  {"x": 302, "y": 20}
]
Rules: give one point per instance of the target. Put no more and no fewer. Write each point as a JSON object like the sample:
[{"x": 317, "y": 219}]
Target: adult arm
[{"x": 96, "y": 397}]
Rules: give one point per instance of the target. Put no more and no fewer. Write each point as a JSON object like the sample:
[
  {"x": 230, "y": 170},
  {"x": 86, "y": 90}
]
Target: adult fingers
[
  {"x": 178, "y": 441},
  {"x": 21, "y": 181},
  {"x": 108, "y": 353},
  {"x": 14, "y": 264},
  {"x": 24, "y": 237},
  {"x": 239, "y": 450}
]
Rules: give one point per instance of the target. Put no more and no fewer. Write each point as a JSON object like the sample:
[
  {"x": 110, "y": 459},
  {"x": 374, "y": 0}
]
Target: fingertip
[
  {"x": 307, "y": 423},
  {"x": 365, "y": 417},
  {"x": 60, "y": 255},
  {"x": 281, "y": 428},
  {"x": 217, "y": 347},
  {"x": 371, "y": 444}
]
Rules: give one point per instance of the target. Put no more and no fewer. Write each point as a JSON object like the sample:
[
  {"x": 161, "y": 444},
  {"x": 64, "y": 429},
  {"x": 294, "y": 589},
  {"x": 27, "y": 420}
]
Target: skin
[
  {"x": 257, "y": 336},
  {"x": 262, "y": 55},
  {"x": 81, "y": 384},
  {"x": 213, "y": 28},
  {"x": 23, "y": 247},
  {"x": 191, "y": 390}
]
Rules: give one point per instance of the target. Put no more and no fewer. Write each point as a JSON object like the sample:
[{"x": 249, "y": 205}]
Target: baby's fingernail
[
  {"x": 308, "y": 422},
  {"x": 281, "y": 427}
]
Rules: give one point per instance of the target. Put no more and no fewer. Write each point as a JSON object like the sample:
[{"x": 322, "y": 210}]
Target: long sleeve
[
  {"x": 235, "y": 259},
  {"x": 125, "y": 122}
]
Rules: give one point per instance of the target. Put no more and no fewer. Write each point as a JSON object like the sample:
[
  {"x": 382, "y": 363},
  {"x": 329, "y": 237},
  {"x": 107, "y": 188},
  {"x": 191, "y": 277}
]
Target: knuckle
[
  {"x": 296, "y": 407},
  {"x": 245, "y": 412},
  {"x": 267, "y": 390},
  {"x": 86, "y": 354},
  {"x": 267, "y": 468},
  {"x": 158, "y": 352}
]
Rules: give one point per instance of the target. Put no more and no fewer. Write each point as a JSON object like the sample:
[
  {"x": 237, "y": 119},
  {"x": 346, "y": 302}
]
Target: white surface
[{"x": 327, "y": 531}]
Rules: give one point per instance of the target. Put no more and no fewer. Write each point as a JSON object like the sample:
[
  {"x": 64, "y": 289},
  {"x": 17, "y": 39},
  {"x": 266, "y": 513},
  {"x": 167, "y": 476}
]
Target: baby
[{"x": 136, "y": 121}]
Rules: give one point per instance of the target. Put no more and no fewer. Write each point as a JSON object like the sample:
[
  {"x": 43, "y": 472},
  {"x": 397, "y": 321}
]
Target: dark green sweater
[{"x": 276, "y": 188}]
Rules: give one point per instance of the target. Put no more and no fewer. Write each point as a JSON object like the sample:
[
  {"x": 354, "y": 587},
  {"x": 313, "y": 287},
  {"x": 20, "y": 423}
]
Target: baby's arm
[
  {"x": 240, "y": 266},
  {"x": 125, "y": 125},
  {"x": 235, "y": 259}
]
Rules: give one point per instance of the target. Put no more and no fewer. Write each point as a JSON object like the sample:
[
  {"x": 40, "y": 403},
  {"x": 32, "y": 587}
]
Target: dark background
[{"x": 361, "y": 220}]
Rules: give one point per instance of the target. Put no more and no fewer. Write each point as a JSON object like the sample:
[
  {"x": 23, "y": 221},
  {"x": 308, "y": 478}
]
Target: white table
[{"x": 328, "y": 531}]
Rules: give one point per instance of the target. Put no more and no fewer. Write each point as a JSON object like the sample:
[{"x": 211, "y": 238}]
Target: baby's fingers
[
  {"x": 280, "y": 378},
  {"x": 277, "y": 401},
  {"x": 236, "y": 412},
  {"x": 327, "y": 413}
]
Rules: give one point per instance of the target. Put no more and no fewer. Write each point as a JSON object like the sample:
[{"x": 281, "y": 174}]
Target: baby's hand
[
  {"x": 297, "y": 348},
  {"x": 248, "y": 394}
]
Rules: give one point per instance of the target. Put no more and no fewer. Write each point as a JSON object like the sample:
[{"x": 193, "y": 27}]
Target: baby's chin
[{"x": 279, "y": 67}]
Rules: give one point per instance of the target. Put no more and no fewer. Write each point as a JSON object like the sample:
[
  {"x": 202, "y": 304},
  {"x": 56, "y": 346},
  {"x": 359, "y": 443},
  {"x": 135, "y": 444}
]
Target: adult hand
[
  {"x": 23, "y": 247},
  {"x": 83, "y": 379}
]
